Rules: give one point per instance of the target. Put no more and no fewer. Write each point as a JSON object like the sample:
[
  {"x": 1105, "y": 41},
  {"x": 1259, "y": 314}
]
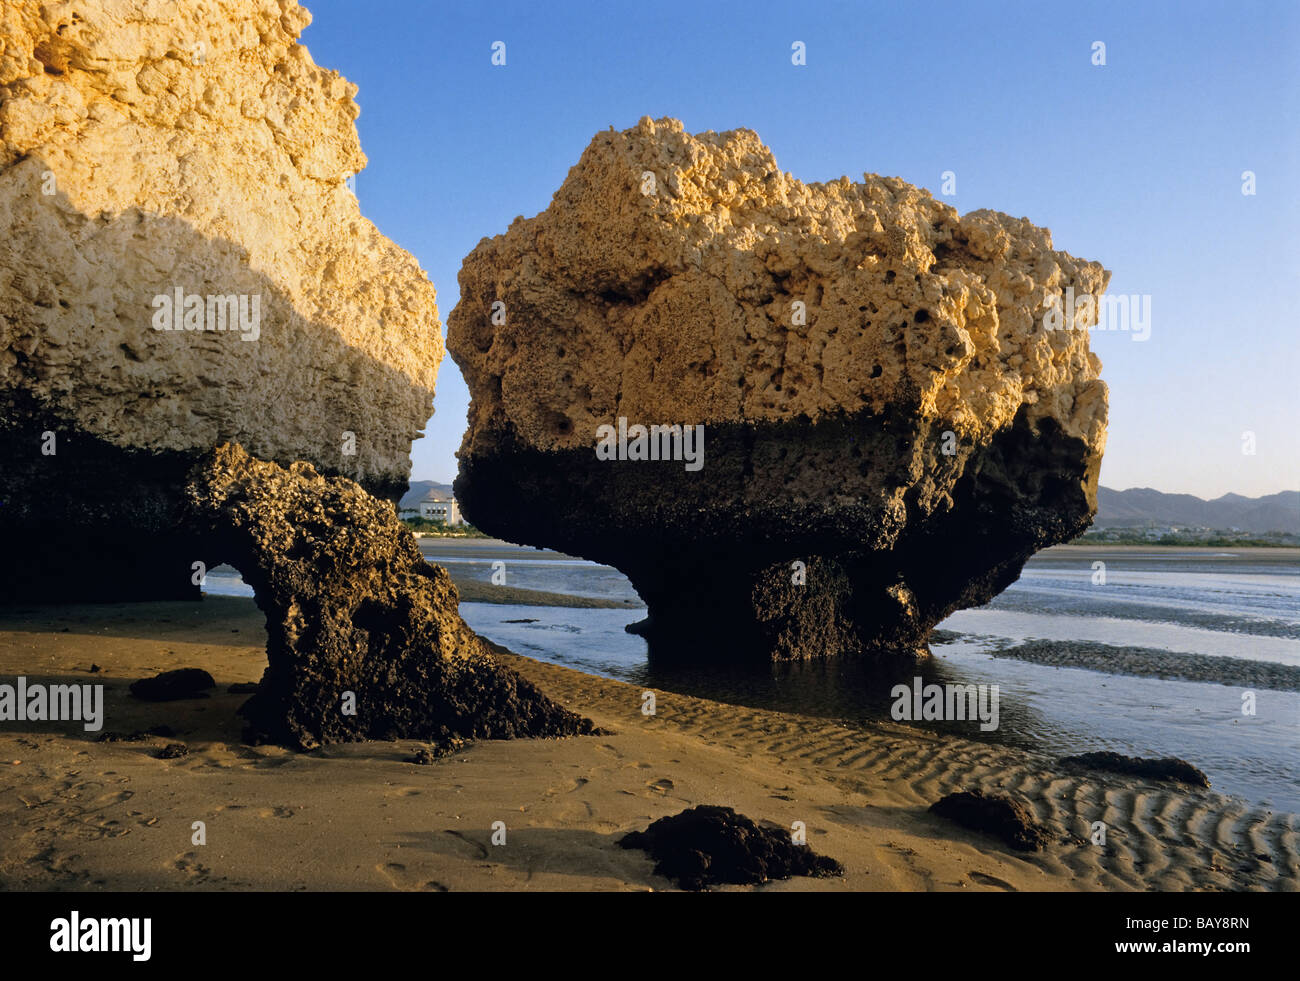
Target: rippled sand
[{"x": 76, "y": 813}]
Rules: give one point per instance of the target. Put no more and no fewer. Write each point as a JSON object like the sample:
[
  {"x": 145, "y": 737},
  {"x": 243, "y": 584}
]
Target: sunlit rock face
[
  {"x": 892, "y": 425},
  {"x": 184, "y": 165}
]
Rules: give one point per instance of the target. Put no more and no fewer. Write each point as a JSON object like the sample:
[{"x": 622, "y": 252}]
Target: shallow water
[{"x": 1243, "y": 604}]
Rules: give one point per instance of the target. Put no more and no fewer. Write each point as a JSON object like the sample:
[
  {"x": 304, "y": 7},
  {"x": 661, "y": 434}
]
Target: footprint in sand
[
  {"x": 569, "y": 786},
  {"x": 193, "y": 870},
  {"x": 661, "y": 786},
  {"x": 403, "y": 792},
  {"x": 61, "y": 866},
  {"x": 478, "y": 846},
  {"x": 400, "y": 878},
  {"x": 984, "y": 879},
  {"x": 279, "y": 812}
]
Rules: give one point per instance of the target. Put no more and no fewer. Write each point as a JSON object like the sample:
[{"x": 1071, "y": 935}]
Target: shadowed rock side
[
  {"x": 352, "y": 606},
  {"x": 715, "y": 561},
  {"x": 890, "y": 429},
  {"x": 172, "y": 685},
  {"x": 133, "y": 166}
]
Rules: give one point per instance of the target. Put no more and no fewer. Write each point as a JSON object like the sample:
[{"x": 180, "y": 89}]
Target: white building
[{"x": 437, "y": 507}]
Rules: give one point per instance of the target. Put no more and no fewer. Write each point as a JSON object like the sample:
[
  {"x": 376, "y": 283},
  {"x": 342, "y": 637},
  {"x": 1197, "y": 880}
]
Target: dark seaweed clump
[
  {"x": 1165, "y": 768},
  {"x": 997, "y": 815},
  {"x": 710, "y": 845}
]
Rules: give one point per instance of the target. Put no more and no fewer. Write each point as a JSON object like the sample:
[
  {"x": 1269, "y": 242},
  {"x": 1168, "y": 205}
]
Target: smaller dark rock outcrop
[
  {"x": 140, "y": 735},
  {"x": 364, "y": 640},
  {"x": 428, "y": 755},
  {"x": 995, "y": 814},
  {"x": 172, "y": 685},
  {"x": 1165, "y": 768},
  {"x": 710, "y": 845}
]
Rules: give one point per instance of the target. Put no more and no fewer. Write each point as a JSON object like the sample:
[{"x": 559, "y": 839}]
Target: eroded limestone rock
[
  {"x": 150, "y": 147},
  {"x": 364, "y": 638},
  {"x": 891, "y": 428}
]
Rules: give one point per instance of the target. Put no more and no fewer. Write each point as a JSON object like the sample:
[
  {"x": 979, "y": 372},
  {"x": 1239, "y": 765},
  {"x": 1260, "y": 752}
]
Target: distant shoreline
[
  {"x": 476, "y": 591},
  {"x": 1158, "y": 543},
  {"x": 1270, "y": 551},
  {"x": 488, "y": 545}
]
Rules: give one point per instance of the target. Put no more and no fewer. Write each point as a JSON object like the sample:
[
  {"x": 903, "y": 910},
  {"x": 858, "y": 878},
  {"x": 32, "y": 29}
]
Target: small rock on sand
[
  {"x": 709, "y": 845},
  {"x": 1165, "y": 768},
  {"x": 172, "y": 685},
  {"x": 138, "y": 736},
  {"x": 994, "y": 814},
  {"x": 424, "y": 756}
]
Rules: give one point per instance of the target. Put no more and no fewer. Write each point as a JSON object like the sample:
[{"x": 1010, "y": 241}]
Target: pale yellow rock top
[
  {"x": 660, "y": 285},
  {"x": 197, "y": 145}
]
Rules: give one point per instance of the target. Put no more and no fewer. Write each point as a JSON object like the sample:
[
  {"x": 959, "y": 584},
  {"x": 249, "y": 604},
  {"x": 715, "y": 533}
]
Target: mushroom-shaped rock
[{"x": 898, "y": 402}]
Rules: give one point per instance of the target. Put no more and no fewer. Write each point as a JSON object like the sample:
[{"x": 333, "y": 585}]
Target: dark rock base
[
  {"x": 90, "y": 522},
  {"x": 793, "y": 542},
  {"x": 93, "y": 522}
]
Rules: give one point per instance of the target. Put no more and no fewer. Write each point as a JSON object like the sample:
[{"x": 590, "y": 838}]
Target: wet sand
[
  {"x": 81, "y": 814},
  {"x": 1152, "y": 663},
  {"x": 474, "y": 591}
]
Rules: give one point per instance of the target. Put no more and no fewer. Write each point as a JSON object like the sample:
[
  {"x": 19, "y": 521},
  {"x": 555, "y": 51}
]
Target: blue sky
[{"x": 1136, "y": 164}]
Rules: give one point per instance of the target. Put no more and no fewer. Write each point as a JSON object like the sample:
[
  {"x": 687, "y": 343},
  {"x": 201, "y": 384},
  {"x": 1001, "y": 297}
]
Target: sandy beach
[{"x": 88, "y": 815}]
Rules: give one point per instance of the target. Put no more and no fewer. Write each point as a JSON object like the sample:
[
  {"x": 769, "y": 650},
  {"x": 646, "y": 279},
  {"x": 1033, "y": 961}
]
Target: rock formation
[
  {"x": 891, "y": 425},
  {"x": 364, "y": 641},
  {"x": 1000, "y": 815},
  {"x": 173, "y": 151},
  {"x": 1164, "y": 768},
  {"x": 711, "y": 845}
]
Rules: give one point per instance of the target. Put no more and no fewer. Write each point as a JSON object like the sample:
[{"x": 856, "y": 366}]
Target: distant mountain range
[
  {"x": 1143, "y": 507},
  {"x": 1139, "y": 507},
  {"x": 421, "y": 487}
]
